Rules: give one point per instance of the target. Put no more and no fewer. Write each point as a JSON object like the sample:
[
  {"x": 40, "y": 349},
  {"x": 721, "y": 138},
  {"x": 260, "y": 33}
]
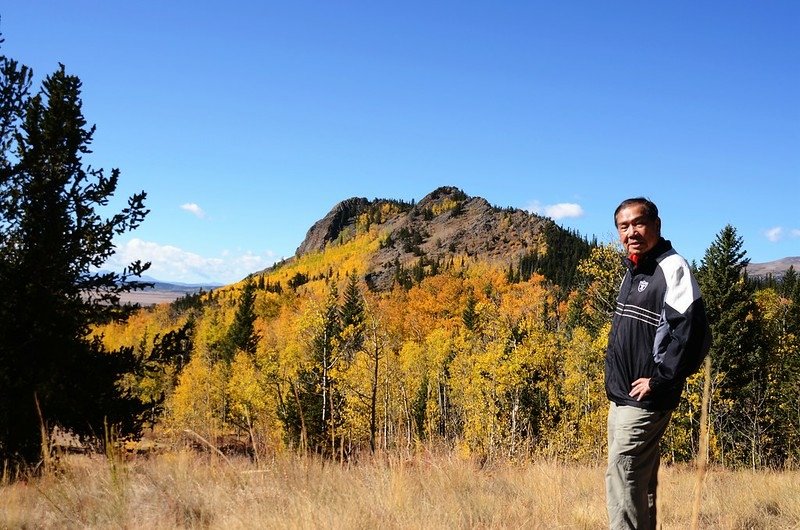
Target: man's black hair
[{"x": 650, "y": 208}]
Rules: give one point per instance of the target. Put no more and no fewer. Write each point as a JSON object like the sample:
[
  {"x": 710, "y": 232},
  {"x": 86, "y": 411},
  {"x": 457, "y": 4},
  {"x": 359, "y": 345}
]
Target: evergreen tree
[
  {"x": 728, "y": 300},
  {"x": 737, "y": 359},
  {"x": 242, "y": 334},
  {"x": 52, "y": 242},
  {"x": 790, "y": 289},
  {"x": 790, "y": 283},
  {"x": 470, "y": 316},
  {"x": 352, "y": 316}
]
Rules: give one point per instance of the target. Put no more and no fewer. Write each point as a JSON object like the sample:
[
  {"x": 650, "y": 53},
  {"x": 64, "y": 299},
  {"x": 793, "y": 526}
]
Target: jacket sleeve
[{"x": 689, "y": 333}]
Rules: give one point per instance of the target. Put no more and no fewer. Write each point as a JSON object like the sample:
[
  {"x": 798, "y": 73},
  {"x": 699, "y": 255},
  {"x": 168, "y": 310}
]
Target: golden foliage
[{"x": 463, "y": 357}]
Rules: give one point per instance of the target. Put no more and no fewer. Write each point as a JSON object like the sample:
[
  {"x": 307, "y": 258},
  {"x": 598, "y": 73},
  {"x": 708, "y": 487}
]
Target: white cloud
[
  {"x": 774, "y": 234},
  {"x": 556, "y": 211},
  {"x": 169, "y": 263},
  {"x": 195, "y": 209},
  {"x": 795, "y": 232}
]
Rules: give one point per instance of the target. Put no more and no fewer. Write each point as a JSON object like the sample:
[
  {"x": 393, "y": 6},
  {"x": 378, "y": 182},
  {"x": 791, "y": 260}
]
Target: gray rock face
[
  {"x": 444, "y": 224},
  {"x": 327, "y": 229}
]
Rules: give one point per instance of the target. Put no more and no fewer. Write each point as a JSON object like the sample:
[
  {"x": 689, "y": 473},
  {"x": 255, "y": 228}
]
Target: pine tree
[
  {"x": 790, "y": 289},
  {"x": 242, "y": 334},
  {"x": 728, "y": 300},
  {"x": 470, "y": 316},
  {"x": 52, "y": 242},
  {"x": 352, "y": 317},
  {"x": 735, "y": 352}
]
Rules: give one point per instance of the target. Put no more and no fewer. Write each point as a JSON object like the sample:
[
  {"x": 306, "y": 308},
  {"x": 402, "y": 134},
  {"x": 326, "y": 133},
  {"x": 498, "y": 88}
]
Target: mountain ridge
[
  {"x": 776, "y": 268},
  {"x": 163, "y": 291},
  {"x": 445, "y": 225}
]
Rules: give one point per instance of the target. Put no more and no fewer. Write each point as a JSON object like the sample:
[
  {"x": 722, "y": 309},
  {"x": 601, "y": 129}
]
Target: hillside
[
  {"x": 162, "y": 292},
  {"x": 448, "y": 322},
  {"x": 775, "y": 268},
  {"x": 446, "y": 224}
]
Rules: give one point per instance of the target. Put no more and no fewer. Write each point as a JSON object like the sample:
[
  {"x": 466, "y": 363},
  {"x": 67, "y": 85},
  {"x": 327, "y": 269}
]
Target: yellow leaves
[
  {"x": 521, "y": 303},
  {"x": 146, "y": 322},
  {"x": 580, "y": 359},
  {"x": 771, "y": 305},
  {"x": 603, "y": 263},
  {"x": 298, "y": 336},
  {"x": 199, "y": 399},
  {"x": 414, "y": 363},
  {"x": 508, "y": 380},
  {"x": 475, "y": 392},
  {"x": 267, "y": 305},
  {"x": 438, "y": 349},
  {"x": 210, "y": 330},
  {"x": 348, "y": 256},
  {"x": 423, "y": 362},
  {"x": 245, "y": 388},
  {"x": 583, "y": 392},
  {"x": 363, "y": 222},
  {"x": 601, "y": 340},
  {"x": 602, "y": 274},
  {"x": 445, "y": 205}
]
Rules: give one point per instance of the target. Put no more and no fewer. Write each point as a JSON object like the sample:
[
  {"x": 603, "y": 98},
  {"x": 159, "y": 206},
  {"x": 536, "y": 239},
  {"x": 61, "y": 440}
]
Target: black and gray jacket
[{"x": 659, "y": 330}]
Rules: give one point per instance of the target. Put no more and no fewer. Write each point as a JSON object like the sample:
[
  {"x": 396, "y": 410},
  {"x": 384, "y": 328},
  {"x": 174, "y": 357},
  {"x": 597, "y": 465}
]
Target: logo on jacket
[{"x": 643, "y": 285}]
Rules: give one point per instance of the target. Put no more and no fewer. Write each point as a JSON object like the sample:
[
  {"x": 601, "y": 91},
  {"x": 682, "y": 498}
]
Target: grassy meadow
[{"x": 189, "y": 489}]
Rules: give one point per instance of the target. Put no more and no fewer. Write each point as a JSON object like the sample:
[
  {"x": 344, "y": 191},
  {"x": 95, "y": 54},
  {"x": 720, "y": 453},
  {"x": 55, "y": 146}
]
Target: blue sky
[{"x": 246, "y": 121}]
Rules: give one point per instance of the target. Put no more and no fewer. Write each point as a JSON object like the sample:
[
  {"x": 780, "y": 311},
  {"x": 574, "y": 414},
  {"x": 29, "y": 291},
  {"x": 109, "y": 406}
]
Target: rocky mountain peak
[
  {"x": 442, "y": 195},
  {"x": 329, "y": 227},
  {"x": 445, "y": 223}
]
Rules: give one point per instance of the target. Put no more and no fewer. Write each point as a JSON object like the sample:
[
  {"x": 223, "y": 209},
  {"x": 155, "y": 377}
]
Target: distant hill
[
  {"x": 775, "y": 268},
  {"x": 164, "y": 291},
  {"x": 401, "y": 241},
  {"x": 160, "y": 285}
]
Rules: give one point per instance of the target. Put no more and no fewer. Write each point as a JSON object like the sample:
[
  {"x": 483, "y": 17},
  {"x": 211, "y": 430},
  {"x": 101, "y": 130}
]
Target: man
[{"x": 659, "y": 337}]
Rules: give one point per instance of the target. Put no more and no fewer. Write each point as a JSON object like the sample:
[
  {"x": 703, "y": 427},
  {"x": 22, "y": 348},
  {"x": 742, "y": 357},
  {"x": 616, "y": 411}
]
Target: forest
[
  {"x": 468, "y": 358},
  {"x": 498, "y": 360}
]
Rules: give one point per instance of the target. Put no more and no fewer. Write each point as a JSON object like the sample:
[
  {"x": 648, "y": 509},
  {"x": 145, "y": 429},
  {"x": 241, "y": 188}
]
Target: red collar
[{"x": 634, "y": 259}]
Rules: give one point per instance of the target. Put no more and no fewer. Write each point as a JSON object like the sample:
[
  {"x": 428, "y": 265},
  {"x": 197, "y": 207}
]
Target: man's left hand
[{"x": 640, "y": 388}]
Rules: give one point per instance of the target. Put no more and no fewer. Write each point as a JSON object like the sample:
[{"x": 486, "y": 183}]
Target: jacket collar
[{"x": 662, "y": 246}]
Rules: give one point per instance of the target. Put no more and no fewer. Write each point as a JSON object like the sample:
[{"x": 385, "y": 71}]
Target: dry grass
[{"x": 186, "y": 489}]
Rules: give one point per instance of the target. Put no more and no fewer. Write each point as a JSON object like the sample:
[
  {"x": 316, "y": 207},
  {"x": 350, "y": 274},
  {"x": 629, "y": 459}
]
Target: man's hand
[{"x": 640, "y": 388}]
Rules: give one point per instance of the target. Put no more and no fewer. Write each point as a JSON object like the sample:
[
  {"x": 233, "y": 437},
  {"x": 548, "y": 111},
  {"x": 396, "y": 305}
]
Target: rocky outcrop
[
  {"x": 327, "y": 229},
  {"x": 445, "y": 223}
]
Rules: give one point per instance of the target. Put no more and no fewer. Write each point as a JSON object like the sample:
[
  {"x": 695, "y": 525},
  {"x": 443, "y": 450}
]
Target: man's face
[{"x": 637, "y": 232}]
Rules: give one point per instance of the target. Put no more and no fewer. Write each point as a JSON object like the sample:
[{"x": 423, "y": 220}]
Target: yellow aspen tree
[
  {"x": 247, "y": 397},
  {"x": 198, "y": 403},
  {"x": 585, "y": 404},
  {"x": 599, "y": 277}
]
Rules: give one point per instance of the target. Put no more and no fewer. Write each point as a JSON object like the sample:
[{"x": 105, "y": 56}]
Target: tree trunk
[
  {"x": 303, "y": 432},
  {"x": 374, "y": 397}
]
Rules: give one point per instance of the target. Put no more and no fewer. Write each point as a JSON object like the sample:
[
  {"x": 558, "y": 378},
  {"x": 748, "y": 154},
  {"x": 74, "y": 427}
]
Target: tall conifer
[
  {"x": 736, "y": 355},
  {"x": 52, "y": 243},
  {"x": 242, "y": 334}
]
